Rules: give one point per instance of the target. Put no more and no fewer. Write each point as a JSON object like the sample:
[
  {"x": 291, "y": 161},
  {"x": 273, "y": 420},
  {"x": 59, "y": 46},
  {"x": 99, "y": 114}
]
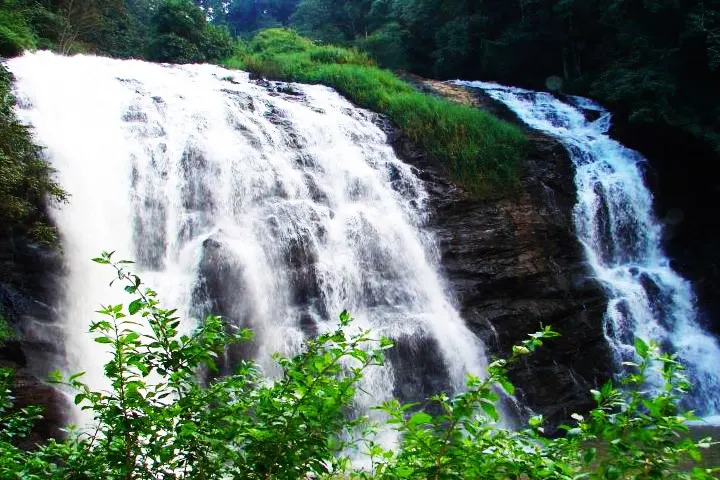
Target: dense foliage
[
  {"x": 155, "y": 420},
  {"x": 479, "y": 151},
  {"x": 169, "y": 30},
  {"x": 181, "y": 34},
  {"x": 25, "y": 177},
  {"x": 655, "y": 62},
  {"x": 244, "y": 17}
]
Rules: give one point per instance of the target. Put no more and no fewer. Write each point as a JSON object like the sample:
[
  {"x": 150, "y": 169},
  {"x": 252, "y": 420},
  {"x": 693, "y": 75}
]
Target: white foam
[
  {"x": 160, "y": 159},
  {"x": 622, "y": 238}
]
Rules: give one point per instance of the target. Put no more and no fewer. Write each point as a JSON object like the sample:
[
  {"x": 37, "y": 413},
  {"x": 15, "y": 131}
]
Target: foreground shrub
[
  {"x": 479, "y": 151},
  {"x": 157, "y": 421}
]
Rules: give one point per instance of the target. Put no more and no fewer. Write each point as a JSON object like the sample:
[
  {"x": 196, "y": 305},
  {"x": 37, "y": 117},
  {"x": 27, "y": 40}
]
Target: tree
[
  {"x": 77, "y": 19},
  {"x": 123, "y": 28},
  {"x": 248, "y": 16},
  {"x": 181, "y": 34}
]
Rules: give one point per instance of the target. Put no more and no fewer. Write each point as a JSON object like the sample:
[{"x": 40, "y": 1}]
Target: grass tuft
[{"x": 480, "y": 151}]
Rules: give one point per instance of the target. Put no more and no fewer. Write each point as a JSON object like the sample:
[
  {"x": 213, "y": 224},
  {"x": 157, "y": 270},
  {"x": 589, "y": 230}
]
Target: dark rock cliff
[
  {"x": 515, "y": 264},
  {"x": 28, "y": 278}
]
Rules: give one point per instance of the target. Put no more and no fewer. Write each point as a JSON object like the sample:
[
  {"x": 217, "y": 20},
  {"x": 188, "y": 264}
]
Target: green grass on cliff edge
[{"x": 481, "y": 152}]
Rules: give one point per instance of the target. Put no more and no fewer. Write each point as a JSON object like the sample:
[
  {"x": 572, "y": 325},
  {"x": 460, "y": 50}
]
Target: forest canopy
[
  {"x": 170, "y": 30},
  {"x": 651, "y": 61}
]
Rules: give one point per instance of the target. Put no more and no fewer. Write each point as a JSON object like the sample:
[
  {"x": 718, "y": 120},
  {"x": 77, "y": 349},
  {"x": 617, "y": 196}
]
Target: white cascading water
[
  {"x": 622, "y": 238},
  {"x": 276, "y": 208}
]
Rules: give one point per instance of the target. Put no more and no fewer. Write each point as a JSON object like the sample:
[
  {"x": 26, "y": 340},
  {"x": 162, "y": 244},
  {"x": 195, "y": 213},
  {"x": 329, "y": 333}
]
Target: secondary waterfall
[
  {"x": 622, "y": 238},
  {"x": 276, "y": 206}
]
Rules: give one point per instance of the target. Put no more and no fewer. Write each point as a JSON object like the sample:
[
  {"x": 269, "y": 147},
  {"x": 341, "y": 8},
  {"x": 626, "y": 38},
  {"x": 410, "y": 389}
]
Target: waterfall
[
  {"x": 274, "y": 205},
  {"x": 622, "y": 238}
]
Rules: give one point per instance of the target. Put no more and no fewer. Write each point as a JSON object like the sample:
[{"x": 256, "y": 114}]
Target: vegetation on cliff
[
  {"x": 480, "y": 151},
  {"x": 25, "y": 177},
  {"x": 157, "y": 420},
  {"x": 654, "y": 62}
]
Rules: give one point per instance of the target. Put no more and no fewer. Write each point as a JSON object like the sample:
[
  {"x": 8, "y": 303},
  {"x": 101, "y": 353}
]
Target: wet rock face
[
  {"x": 28, "y": 391},
  {"x": 29, "y": 274},
  {"x": 515, "y": 264}
]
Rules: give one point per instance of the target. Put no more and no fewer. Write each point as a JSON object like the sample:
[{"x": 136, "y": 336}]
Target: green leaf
[
  {"x": 705, "y": 442},
  {"x": 641, "y": 347},
  {"x": 385, "y": 343},
  {"x": 103, "y": 340},
  {"x": 507, "y": 386},
  {"x": 520, "y": 350},
  {"x": 695, "y": 455},
  {"x": 132, "y": 336},
  {"x": 420, "y": 418},
  {"x": 135, "y": 306},
  {"x": 589, "y": 455},
  {"x": 75, "y": 377},
  {"x": 489, "y": 408},
  {"x": 345, "y": 318}
]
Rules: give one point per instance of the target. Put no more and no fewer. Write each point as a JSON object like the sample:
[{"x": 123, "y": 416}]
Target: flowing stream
[
  {"x": 274, "y": 205},
  {"x": 622, "y": 238}
]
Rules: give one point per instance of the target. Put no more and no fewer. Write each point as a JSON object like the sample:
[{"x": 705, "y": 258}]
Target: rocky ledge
[{"x": 515, "y": 264}]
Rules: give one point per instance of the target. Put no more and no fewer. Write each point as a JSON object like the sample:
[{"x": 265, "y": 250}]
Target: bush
[
  {"x": 216, "y": 44},
  {"x": 6, "y": 331},
  {"x": 480, "y": 151},
  {"x": 172, "y": 48},
  {"x": 296, "y": 426},
  {"x": 182, "y": 35},
  {"x": 388, "y": 46},
  {"x": 180, "y": 17},
  {"x": 15, "y": 33},
  {"x": 341, "y": 56},
  {"x": 275, "y": 41}
]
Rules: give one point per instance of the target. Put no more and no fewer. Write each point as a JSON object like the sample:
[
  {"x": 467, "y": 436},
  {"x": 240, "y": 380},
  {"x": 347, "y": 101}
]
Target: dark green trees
[
  {"x": 175, "y": 31},
  {"x": 181, "y": 34},
  {"x": 243, "y": 17},
  {"x": 652, "y": 61}
]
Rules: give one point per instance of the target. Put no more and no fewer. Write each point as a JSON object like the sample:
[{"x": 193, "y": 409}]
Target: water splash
[
  {"x": 275, "y": 207},
  {"x": 622, "y": 238}
]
